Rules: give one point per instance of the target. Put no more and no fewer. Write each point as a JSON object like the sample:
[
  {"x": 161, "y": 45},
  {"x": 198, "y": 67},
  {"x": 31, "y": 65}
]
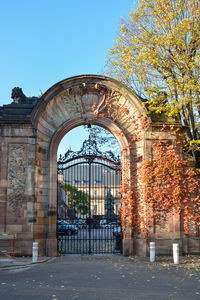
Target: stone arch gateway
[{"x": 29, "y": 143}]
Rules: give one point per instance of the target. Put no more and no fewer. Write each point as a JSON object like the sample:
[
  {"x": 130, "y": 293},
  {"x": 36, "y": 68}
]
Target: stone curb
[{"x": 24, "y": 265}]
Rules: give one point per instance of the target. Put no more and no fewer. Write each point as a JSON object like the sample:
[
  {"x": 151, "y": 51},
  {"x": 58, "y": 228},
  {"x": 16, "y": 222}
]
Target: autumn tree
[
  {"x": 169, "y": 187},
  {"x": 157, "y": 53},
  {"x": 77, "y": 199},
  {"x": 105, "y": 139}
]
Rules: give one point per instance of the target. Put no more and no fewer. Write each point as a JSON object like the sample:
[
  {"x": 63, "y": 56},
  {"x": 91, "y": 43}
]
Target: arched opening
[
  {"x": 104, "y": 239},
  {"x": 89, "y": 200}
]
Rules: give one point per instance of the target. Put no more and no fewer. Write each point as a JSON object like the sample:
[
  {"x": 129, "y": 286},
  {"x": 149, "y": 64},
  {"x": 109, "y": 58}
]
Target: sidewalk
[
  {"x": 186, "y": 262},
  {"x": 7, "y": 262}
]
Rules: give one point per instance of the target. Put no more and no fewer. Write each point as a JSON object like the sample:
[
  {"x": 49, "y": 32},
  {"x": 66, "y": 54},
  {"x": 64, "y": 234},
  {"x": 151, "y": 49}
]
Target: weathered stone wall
[
  {"x": 84, "y": 100},
  {"x": 100, "y": 101},
  {"x": 17, "y": 184},
  {"x": 28, "y": 159}
]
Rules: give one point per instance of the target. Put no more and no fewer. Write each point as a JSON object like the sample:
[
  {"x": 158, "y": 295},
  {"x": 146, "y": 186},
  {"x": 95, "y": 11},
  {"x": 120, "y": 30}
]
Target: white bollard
[
  {"x": 35, "y": 252},
  {"x": 176, "y": 253},
  {"x": 152, "y": 251}
]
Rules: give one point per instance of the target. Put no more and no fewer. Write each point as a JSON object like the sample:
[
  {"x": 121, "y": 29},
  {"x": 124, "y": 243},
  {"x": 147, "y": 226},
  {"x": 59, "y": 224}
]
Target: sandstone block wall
[
  {"x": 17, "y": 184},
  {"x": 28, "y": 160}
]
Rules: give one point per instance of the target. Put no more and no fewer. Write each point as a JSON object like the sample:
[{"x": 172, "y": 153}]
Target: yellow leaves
[
  {"x": 123, "y": 28},
  {"x": 195, "y": 142},
  {"x": 157, "y": 49},
  {"x": 152, "y": 29}
]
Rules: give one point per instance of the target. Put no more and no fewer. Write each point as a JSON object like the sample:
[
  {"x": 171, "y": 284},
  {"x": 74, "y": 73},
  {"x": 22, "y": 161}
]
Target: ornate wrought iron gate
[{"x": 89, "y": 201}]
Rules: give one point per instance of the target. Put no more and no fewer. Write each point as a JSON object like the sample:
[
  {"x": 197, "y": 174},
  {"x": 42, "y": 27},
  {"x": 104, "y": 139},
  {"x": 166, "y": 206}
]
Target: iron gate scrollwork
[{"x": 89, "y": 201}]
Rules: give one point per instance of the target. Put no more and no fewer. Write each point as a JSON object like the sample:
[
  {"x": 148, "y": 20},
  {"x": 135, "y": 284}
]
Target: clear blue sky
[{"x": 45, "y": 41}]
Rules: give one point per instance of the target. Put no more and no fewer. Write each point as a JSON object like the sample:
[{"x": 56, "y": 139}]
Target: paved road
[{"x": 102, "y": 278}]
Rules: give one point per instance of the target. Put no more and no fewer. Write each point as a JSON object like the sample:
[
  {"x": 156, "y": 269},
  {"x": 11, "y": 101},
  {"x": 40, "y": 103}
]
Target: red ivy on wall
[
  {"x": 165, "y": 184},
  {"x": 169, "y": 186}
]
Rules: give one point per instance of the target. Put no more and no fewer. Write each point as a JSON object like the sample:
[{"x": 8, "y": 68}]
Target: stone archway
[
  {"x": 81, "y": 100},
  {"x": 86, "y": 99}
]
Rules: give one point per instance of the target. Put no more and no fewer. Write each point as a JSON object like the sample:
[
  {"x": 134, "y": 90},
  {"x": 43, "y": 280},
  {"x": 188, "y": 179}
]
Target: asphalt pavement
[{"x": 92, "y": 277}]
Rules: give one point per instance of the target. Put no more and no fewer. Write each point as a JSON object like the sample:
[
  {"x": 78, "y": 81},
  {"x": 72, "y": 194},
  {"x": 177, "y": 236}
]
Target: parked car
[
  {"x": 78, "y": 223},
  {"x": 64, "y": 227},
  {"x": 110, "y": 225},
  {"x": 117, "y": 231},
  {"x": 103, "y": 222}
]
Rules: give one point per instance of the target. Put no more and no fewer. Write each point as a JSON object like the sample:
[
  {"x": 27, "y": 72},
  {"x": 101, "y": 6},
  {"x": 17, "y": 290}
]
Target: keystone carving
[{"x": 89, "y": 99}]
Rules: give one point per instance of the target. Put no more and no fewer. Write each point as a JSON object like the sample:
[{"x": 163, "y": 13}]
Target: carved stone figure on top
[{"x": 19, "y": 97}]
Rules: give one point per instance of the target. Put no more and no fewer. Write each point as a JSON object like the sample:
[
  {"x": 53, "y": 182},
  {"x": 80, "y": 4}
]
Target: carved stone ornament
[
  {"x": 88, "y": 99},
  {"x": 19, "y": 98},
  {"x": 17, "y": 163}
]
